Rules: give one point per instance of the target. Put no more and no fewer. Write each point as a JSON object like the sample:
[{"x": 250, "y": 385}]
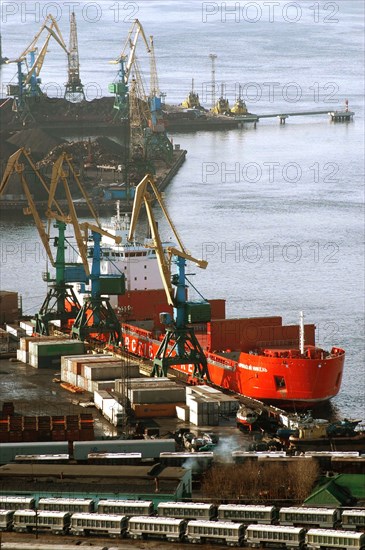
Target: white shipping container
[
  {"x": 66, "y": 360},
  {"x": 16, "y": 331},
  {"x": 204, "y": 419},
  {"x": 157, "y": 395},
  {"x": 182, "y": 412},
  {"x": 98, "y": 398},
  {"x": 33, "y": 360},
  {"x": 113, "y": 411},
  {"x": 103, "y": 385},
  {"x": 202, "y": 405},
  {"x": 148, "y": 381},
  {"x": 28, "y": 326},
  {"x": 107, "y": 371},
  {"x": 22, "y": 356}
]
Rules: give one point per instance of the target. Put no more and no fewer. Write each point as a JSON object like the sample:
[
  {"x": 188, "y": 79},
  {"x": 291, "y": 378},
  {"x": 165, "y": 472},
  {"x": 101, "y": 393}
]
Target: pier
[{"x": 336, "y": 116}]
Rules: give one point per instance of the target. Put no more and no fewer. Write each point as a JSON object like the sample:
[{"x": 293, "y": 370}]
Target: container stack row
[
  {"x": 46, "y": 351},
  {"x": 205, "y": 405},
  {"x": 95, "y": 372},
  {"x": 152, "y": 397},
  {"x": 46, "y": 428}
]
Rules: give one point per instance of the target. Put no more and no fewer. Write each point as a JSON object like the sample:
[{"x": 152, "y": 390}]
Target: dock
[{"x": 336, "y": 116}]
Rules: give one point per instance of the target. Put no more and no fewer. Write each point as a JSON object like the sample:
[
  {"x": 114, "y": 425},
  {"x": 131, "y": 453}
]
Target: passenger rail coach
[
  {"x": 71, "y": 505},
  {"x": 179, "y": 530}
]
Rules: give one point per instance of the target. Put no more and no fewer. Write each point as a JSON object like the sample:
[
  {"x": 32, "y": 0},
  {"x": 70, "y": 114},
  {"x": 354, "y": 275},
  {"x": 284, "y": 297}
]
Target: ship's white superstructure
[{"x": 137, "y": 260}]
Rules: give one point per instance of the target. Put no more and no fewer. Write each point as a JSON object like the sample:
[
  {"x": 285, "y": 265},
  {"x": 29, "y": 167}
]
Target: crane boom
[
  {"x": 131, "y": 43},
  {"x": 15, "y": 166},
  {"x": 142, "y": 196},
  {"x": 180, "y": 345}
]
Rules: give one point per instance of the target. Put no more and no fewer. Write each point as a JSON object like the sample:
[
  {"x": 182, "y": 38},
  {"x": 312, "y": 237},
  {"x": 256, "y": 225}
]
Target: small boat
[{"x": 247, "y": 417}]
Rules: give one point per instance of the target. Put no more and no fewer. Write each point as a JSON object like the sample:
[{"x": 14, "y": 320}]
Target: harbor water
[{"x": 278, "y": 211}]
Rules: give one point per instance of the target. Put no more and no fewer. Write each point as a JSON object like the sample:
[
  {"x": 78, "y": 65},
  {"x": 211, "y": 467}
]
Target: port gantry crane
[
  {"x": 125, "y": 61},
  {"x": 32, "y": 58},
  {"x": 147, "y": 134},
  {"x": 61, "y": 302},
  {"x": 180, "y": 345},
  {"x": 74, "y": 90},
  {"x": 96, "y": 318}
]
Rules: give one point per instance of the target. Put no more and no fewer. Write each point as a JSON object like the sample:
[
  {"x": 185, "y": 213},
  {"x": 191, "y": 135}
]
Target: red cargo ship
[{"x": 257, "y": 357}]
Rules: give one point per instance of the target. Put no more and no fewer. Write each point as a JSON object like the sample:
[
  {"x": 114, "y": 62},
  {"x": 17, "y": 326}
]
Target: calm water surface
[{"x": 277, "y": 211}]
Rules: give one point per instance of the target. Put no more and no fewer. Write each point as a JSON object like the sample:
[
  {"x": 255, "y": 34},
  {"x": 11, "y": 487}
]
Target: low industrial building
[{"x": 156, "y": 483}]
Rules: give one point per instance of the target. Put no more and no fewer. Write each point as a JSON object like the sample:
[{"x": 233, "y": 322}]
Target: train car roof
[
  {"x": 220, "y": 524},
  {"x": 58, "y": 500},
  {"x": 295, "y": 509},
  {"x": 336, "y": 533},
  {"x": 274, "y": 528},
  {"x": 185, "y": 504},
  {"x": 125, "y": 501},
  {"x": 42, "y": 513},
  {"x": 87, "y": 515},
  {"x": 354, "y": 512},
  {"x": 10, "y": 498},
  {"x": 156, "y": 519},
  {"x": 248, "y": 507}
]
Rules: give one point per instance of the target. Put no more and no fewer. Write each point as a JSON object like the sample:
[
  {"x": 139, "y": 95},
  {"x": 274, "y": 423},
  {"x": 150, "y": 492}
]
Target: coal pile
[
  {"x": 101, "y": 151},
  {"x": 37, "y": 141},
  {"x": 6, "y": 148},
  {"x": 47, "y": 110}
]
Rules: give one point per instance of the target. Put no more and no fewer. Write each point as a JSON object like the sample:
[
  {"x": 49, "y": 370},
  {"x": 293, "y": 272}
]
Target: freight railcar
[
  {"x": 148, "y": 448},
  {"x": 8, "y": 451}
]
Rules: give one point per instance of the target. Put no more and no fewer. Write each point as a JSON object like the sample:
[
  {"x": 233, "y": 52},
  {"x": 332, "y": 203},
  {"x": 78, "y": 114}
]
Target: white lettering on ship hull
[{"x": 252, "y": 368}]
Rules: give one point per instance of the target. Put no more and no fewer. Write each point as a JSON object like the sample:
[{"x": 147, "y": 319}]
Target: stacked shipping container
[
  {"x": 46, "y": 428},
  {"x": 95, "y": 372}
]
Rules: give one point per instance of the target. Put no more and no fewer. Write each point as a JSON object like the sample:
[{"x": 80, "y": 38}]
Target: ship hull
[{"x": 285, "y": 382}]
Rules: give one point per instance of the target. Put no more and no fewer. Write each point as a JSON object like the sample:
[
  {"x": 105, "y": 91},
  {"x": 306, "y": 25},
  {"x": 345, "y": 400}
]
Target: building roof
[
  {"x": 329, "y": 493},
  {"x": 90, "y": 478}
]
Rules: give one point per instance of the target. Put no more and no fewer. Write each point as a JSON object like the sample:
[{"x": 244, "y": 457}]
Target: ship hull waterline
[{"x": 288, "y": 383}]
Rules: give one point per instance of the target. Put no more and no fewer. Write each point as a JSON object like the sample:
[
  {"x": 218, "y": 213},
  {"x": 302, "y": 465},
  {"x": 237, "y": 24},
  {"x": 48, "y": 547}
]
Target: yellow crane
[
  {"x": 61, "y": 302},
  {"x": 96, "y": 318},
  {"x": 180, "y": 345},
  {"x": 33, "y": 58}
]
